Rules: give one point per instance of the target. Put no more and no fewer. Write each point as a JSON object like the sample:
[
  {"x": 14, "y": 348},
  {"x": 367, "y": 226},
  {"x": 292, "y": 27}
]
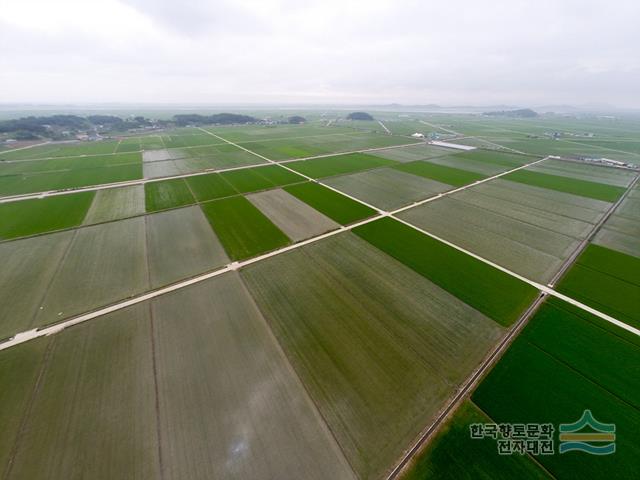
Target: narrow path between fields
[{"x": 385, "y": 127}]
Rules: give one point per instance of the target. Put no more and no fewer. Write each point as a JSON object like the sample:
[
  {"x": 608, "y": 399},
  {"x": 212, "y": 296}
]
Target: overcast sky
[{"x": 327, "y": 51}]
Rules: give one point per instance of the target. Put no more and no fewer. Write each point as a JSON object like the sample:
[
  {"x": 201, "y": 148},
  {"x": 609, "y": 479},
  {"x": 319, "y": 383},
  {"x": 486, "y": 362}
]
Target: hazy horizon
[{"x": 271, "y": 52}]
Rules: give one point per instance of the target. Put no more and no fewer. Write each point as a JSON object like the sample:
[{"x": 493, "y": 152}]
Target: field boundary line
[
  {"x": 26, "y": 414},
  {"x": 154, "y": 368},
  {"x": 385, "y": 127},
  {"x": 459, "y": 395},
  {"x": 294, "y": 373}
]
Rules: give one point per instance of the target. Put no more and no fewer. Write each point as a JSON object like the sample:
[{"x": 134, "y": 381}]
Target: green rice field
[
  {"x": 335, "y": 206},
  {"x": 338, "y": 165},
  {"x": 30, "y": 217},
  {"x": 243, "y": 229}
]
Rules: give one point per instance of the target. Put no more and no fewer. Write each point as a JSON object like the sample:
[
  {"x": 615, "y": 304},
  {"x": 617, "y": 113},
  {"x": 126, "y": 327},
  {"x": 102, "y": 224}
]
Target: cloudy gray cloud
[{"x": 203, "y": 51}]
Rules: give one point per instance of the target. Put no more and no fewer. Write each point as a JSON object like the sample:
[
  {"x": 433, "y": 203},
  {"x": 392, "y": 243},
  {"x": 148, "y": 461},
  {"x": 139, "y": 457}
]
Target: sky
[{"x": 453, "y": 52}]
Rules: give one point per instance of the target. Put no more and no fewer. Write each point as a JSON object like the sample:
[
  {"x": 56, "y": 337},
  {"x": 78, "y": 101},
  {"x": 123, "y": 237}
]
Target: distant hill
[
  {"x": 218, "y": 118},
  {"x": 520, "y": 113},
  {"x": 296, "y": 119},
  {"x": 359, "y": 116}
]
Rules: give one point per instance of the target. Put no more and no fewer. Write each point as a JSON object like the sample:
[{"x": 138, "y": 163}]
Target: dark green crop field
[
  {"x": 339, "y": 165},
  {"x": 335, "y": 206},
  {"x": 453, "y": 455},
  {"x": 247, "y": 180},
  {"x": 606, "y": 280},
  {"x": 602, "y": 356},
  {"x": 441, "y": 173},
  {"x": 599, "y": 191},
  {"x": 496, "y": 294},
  {"x": 530, "y": 385},
  {"x": 29, "y": 217},
  {"x": 243, "y": 229},
  {"x": 210, "y": 187},
  {"x": 167, "y": 194},
  {"x": 278, "y": 175}
]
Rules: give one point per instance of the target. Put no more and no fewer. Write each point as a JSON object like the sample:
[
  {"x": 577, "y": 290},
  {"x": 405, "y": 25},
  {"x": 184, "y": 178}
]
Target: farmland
[
  {"x": 387, "y": 188},
  {"x": 243, "y": 229},
  {"x": 335, "y": 206},
  {"x": 528, "y": 229},
  {"x": 441, "y": 173},
  {"x": 549, "y": 374},
  {"x": 19, "y": 219},
  {"x": 295, "y": 218},
  {"x": 339, "y": 346},
  {"x": 608, "y": 280},
  {"x": 622, "y": 230},
  {"x": 263, "y": 314},
  {"x": 338, "y": 165}
]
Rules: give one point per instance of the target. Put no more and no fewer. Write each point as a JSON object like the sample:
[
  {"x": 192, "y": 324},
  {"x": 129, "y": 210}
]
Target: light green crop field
[
  {"x": 502, "y": 159},
  {"x": 590, "y": 173},
  {"x": 387, "y": 188},
  {"x": 245, "y": 181},
  {"x": 181, "y": 244},
  {"x": 339, "y": 165},
  {"x": 530, "y": 230},
  {"x": 19, "y": 370},
  {"x": 61, "y": 150},
  {"x": 607, "y": 280},
  {"x": 210, "y": 187},
  {"x": 28, "y": 265},
  {"x": 378, "y": 346},
  {"x": 167, "y": 194},
  {"x": 278, "y": 175},
  {"x": 66, "y": 179},
  {"x": 335, "y": 206},
  {"x": 523, "y": 247},
  {"x": 599, "y": 191},
  {"x": 243, "y": 229},
  {"x": 230, "y": 405},
  {"x": 441, "y": 173},
  {"x": 322, "y": 145},
  {"x": 499, "y": 296},
  {"x": 295, "y": 218},
  {"x": 116, "y": 204},
  {"x": 107, "y": 422},
  {"x": 67, "y": 163},
  {"x": 30, "y": 217},
  {"x": 621, "y": 231},
  {"x": 414, "y": 152},
  {"x": 105, "y": 263}
]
